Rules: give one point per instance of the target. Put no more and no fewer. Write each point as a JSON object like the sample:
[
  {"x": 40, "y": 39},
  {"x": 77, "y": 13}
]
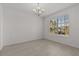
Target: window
[{"x": 60, "y": 25}]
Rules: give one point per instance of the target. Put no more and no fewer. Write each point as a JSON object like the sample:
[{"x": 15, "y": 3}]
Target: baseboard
[
  {"x": 19, "y": 42},
  {"x": 64, "y": 43}
]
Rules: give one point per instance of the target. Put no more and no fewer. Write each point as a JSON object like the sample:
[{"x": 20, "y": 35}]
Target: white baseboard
[
  {"x": 65, "y": 43},
  {"x": 19, "y": 42}
]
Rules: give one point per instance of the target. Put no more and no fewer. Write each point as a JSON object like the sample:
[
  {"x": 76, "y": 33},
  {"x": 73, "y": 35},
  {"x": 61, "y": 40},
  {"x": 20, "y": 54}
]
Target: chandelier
[{"x": 38, "y": 10}]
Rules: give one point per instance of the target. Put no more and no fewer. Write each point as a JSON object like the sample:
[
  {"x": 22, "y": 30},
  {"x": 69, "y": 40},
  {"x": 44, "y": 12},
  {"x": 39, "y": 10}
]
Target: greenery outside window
[{"x": 60, "y": 25}]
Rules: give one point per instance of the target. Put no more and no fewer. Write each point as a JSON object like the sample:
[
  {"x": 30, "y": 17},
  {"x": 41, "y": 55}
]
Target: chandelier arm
[{"x": 38, "y": 11}]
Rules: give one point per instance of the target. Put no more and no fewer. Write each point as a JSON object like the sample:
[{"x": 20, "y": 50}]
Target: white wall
[
  {"x": 20, "y": 26},
  {"x": 1, "y": 27},
  {"x": 73, "y": 38}
]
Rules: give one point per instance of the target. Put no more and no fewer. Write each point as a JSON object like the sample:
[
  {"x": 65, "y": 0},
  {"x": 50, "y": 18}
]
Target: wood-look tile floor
[{"x": 39, "y": 48}]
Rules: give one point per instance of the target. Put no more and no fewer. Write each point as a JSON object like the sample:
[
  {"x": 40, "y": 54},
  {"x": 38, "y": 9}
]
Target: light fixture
[{"x": 38, "y": 10}]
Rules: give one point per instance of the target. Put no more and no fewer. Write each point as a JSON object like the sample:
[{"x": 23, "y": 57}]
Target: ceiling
[{"x": 49, "y": 7}]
